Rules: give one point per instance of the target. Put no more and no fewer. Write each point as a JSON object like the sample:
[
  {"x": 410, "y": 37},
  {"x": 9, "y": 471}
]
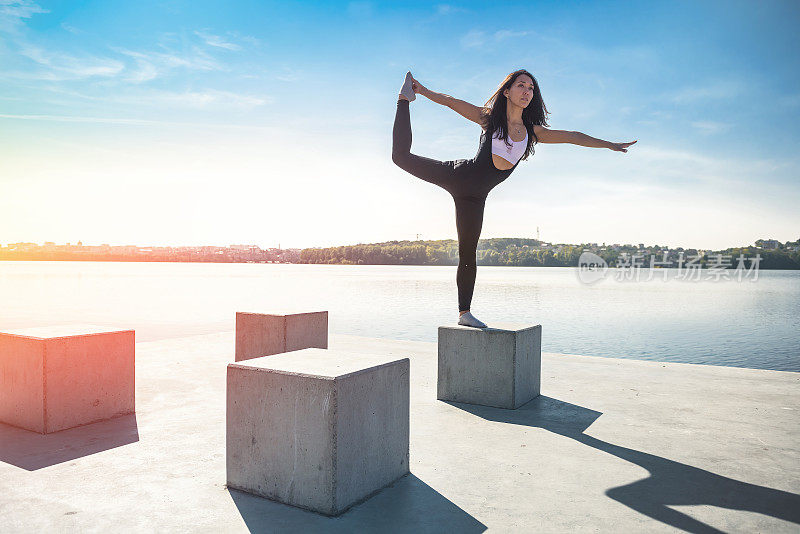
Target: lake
[{"x": 749, "y": 323}]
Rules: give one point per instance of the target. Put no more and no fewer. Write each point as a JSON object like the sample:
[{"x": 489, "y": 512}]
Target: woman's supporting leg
[
  {"x": 433, "y": 171},
  {"x": 469, "y": 220}
]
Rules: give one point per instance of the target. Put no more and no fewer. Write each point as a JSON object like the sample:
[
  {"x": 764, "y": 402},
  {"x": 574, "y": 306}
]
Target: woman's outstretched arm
[
  {"x": 461, "y": 107},
  {"x": 582, "y": 139},
  {"x": 577, "y": 138}
]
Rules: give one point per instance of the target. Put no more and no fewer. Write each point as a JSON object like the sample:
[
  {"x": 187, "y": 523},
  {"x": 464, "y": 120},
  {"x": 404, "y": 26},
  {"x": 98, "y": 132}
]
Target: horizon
[
  {"x": 281, "y": 246},
  {"x": 185, "y": 123}
]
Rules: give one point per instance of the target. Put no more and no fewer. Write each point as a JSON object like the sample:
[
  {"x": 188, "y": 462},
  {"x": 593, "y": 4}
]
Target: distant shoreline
[
  {"x": 506, "y": 251},
  {"x": 148, "y": 260}
]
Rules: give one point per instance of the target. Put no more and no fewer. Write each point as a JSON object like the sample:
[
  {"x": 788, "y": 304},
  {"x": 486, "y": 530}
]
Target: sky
[{"x": 179, "y": 123}]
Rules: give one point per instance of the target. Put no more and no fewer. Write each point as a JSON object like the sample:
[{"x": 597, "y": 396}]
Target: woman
[{"x": 512, "y": 118}]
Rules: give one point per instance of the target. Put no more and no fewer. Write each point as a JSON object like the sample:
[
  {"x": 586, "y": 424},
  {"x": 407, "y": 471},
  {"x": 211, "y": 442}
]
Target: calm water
[{"x": 742, "y": 324}]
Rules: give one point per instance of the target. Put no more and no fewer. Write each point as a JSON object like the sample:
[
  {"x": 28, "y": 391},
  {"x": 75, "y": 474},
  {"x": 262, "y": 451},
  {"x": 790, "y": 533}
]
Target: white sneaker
[
  {"x": 469, "y": 320},
  {"x": 408, "y": 91}
]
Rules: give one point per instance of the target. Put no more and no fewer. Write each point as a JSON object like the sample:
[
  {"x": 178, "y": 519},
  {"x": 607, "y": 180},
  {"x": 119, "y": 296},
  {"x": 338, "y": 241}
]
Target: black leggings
[{"x": 458, "y": 178}]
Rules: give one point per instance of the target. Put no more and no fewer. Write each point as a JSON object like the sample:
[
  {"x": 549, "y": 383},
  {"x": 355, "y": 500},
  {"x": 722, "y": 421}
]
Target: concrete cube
[
  {"x": 54, "y": 378},
  {"x": 317, "y": 429},
  {"x": 499, "y": 366},
  {"x": 263, "y": 334}
]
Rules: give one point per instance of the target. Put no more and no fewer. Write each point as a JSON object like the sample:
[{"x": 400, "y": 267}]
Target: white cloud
[
  {"x": 217, "y": 41},
  {"x": 447, "y": 9},
  {"x": 133, "y": 122},
  {"x": 65, "y": 67},
  {"x": 140, "y": 99},
  {"x": 201, "y": 99},
  {"x": 145, "y": 71},
  {"x": 499, "y": 35},
  {"x": 440, "y": 11},
  {"x": 676, "y": 171},
  {"x": 71, "y": 29},
  {"x": 289, "y": 75},
  {"x": 715, "y": 90},
  {"x": 711, "y": 127},
  {"x": 150, "y": 65},
  {"x": 248, "y": 39},
  {"x": 66, "y": 118},
  {"x": 473, "y": 39},
  {"x": 12, "y": 12}
]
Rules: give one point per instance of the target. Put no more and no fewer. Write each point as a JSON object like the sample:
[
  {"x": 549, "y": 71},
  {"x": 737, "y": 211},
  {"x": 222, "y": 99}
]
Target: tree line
[{"x": 522, "y": 252}]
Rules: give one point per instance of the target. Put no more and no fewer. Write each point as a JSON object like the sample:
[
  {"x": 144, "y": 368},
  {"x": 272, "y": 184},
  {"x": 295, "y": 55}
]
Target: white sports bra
[{"x": 513, "y": 153}]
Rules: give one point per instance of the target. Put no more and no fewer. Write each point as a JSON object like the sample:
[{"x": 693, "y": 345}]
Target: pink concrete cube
[
  {"x": 54, "y": 378},
  {"x": 265, "y": 334}
]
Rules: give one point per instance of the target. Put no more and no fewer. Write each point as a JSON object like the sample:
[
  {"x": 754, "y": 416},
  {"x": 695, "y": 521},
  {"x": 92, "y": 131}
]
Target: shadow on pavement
[
  {"x": 31, "y": 450},
  {"x": 407, "y": 505},
  {"x": 670, "y": 483}
]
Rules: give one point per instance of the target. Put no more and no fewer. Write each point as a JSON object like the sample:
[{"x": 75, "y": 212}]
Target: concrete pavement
[{"x": 611, "y": 445}]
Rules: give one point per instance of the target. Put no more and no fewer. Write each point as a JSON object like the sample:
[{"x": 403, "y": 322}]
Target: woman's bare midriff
[{"x": 501, "y": 164}]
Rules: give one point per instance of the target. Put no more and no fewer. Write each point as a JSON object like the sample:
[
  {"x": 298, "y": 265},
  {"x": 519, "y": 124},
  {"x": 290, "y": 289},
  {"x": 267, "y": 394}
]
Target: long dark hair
[{"x": 497, "y": 118}]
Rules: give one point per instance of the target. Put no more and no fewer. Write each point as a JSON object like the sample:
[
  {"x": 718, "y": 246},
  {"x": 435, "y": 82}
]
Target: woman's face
[{"x": 521, "y": 91}]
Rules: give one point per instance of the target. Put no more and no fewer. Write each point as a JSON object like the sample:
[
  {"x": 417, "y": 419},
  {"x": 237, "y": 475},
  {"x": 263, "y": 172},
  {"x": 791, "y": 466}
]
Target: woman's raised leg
[{"x": 431, "y": 170}]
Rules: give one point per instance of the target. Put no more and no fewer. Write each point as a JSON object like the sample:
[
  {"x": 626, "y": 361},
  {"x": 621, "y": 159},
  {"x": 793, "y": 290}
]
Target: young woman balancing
[{"x": 512, "y": 118}]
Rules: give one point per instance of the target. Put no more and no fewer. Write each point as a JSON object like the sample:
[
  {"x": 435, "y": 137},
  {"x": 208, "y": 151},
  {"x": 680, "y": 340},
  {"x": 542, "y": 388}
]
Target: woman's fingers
[{"x": 622, "y": 147}]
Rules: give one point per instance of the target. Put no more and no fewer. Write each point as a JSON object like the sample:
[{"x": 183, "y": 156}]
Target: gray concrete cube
[
  {"x": 59, "y": 377},
  {"x": 318, "y": 429},
  {"x": 263, "y": 334},
  {"x": 499, "y": 366}
]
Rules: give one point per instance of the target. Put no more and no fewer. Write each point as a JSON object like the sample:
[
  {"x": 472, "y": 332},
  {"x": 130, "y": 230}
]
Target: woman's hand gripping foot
[{"x": 410, "y": 88}]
